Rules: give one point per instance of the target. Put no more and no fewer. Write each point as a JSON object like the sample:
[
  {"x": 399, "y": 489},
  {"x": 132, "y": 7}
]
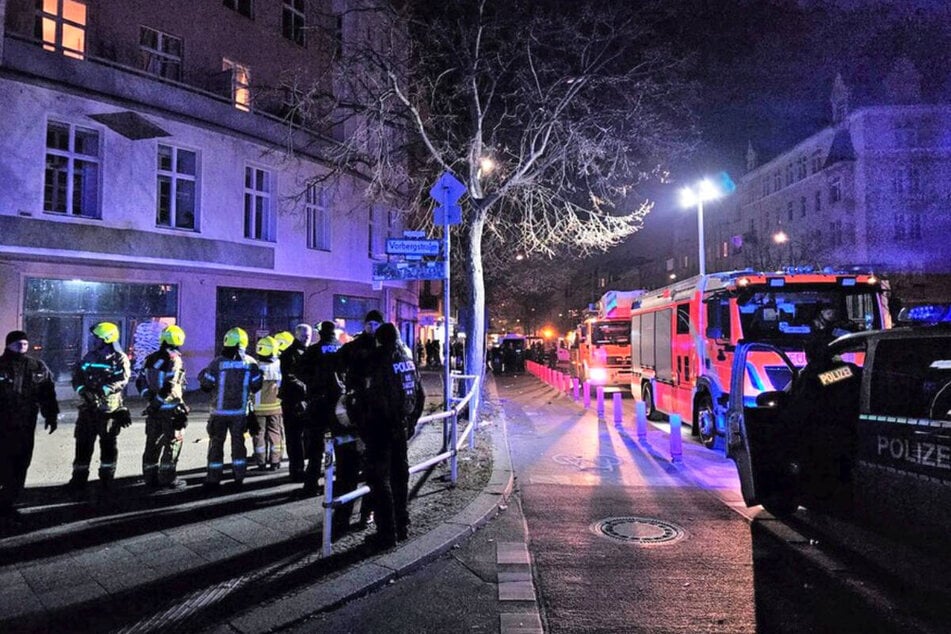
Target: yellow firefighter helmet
[
  {"x": 173, "y": 336},
  {"x": 236, "y": 337},
  {"x": 107, "y": 331}
]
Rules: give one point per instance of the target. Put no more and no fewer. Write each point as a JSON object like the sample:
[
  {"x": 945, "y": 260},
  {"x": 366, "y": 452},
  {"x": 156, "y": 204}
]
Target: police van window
[
  {"x": 912, "y": 377},
  {"x": 683, "y": 319}
]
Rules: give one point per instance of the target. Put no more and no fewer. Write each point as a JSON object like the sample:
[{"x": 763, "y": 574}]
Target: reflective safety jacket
[
  {"x": 163, "y": 380},
  {"x": 100, "y": 377},
  {"x": 26, "y": 388},
  {"x": 266, "y": 402},
  {"x": 231, "y": 378}
]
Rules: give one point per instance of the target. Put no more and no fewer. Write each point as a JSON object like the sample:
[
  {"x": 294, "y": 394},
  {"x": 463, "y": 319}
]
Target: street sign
[
  {"x": 409, "y": 246},
  {"x": 409, "y": 270},
  {"x": 455, "y": 215}
]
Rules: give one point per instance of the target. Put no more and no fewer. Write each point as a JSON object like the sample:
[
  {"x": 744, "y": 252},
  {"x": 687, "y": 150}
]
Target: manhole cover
[{"x": 644, "y": 531}]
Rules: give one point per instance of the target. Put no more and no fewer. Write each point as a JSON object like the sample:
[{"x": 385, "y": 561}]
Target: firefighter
[
  {"x": 26, "y": 389},
  {"x": 393, "y": 386},
  {"x": 162, "y": 385},
  {"x": 319, "y": 367},
  {"x": 293, "y": 395},
  {"x": 99, "y": 379},
  {"x": 232, "y": 377},
  {"x": 268, "y": 433}
]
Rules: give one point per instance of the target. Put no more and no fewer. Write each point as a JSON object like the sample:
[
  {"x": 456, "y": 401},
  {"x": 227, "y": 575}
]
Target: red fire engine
[
  {"x": 683, "y": 335},
  {"x": 601, "y": 346}
]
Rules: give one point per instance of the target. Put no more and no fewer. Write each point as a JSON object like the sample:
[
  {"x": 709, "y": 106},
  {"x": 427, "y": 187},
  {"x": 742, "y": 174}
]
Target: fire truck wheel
[
  {"x": 706, "y": 420},
  {"x": 648, "y": 397}
]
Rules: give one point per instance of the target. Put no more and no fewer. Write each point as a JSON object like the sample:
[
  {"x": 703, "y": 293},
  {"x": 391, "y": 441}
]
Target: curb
[{"x": 374, "y": 573}]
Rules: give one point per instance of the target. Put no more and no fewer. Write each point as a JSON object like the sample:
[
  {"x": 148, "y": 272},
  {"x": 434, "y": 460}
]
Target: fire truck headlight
[{"x": 599, "y": 375}]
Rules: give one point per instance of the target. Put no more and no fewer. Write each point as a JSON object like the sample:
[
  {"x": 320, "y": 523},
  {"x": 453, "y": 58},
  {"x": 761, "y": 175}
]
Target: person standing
[
  {"x": 232, "y": 378},
  {"x": 319, "y": 367},
  {"x": 394, "y": 387},
  {"x": 162, "y": 385},
  {"x": 293, "y": 395},
  {"x": 26, "y": 390},
  {"x": 99, "y": 379},
  {"x": 268, "y": 435}
]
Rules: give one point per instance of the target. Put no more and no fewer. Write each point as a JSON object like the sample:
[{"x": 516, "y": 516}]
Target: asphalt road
[{"x": 622, "y": 540}]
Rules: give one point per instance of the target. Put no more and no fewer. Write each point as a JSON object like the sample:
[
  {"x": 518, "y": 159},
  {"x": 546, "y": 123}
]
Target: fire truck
[
  {"x": 683, "y": 336},
  {"x": 601, "y": 346}
]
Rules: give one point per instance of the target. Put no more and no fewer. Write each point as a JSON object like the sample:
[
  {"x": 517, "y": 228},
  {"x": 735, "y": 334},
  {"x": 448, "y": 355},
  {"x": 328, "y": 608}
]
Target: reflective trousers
[
  {"x": 269, "y": 441},
  {"x": 219, "y": 427},
  {"x": 163, "y": 444},
  {"x": 91, "y": 424}
]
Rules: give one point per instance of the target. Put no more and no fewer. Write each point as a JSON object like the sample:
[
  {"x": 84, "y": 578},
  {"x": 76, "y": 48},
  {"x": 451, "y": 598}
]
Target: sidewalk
[{"x": 186, "y": 559}]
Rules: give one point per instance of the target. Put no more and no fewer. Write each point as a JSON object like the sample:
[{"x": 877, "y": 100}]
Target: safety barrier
[
  {"x": 452, "y": 442},
  {"x": 572, "y": 385}
]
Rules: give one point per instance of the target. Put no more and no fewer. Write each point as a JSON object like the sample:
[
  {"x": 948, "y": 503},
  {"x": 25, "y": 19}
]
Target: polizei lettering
[
  {"x": 404, "y": 366},
  {"x": 927, "y": 454}
]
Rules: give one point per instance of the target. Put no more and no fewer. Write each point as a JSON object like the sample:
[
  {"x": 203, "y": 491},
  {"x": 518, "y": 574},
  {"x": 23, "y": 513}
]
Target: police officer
[
  {"x": 293, "y": 395},
  {"x": 232, "y": 378},
  {"x": 319, "y": 367},
  {"x": 393, "y": 386},
  {"x": 162, "y": 385},
  {"x": 99, "y": 379},
  {"x": 26, "y": 389},
  {"x": 268, "y": 434}
]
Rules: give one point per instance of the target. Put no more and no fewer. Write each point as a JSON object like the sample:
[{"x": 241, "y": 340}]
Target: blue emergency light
[
  {"x": 847, "y": 281},
  {"x": 776, "y": 282},
  {"x": 926, "y": 314}
]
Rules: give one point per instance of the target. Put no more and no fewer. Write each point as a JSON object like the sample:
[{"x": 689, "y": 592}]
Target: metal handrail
[{"x": 450, "y": 418}]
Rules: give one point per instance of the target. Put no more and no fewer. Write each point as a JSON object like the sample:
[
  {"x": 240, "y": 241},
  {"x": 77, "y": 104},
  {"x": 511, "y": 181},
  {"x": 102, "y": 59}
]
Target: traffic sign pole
[{"x": 447, "y": 381}]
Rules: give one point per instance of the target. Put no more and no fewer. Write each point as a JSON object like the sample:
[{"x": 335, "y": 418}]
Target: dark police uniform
[
  {"x": 394, "y": 388},
  {"x": 293, "y": 395},
  {"x": 26, "y": 389},
  {"x": 318, "y": 367}
]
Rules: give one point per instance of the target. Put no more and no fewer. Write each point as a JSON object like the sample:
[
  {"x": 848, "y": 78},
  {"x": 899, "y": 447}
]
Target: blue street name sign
[
  {"x": 407, "y": 246},
  {"x": 383, "y": 271}
]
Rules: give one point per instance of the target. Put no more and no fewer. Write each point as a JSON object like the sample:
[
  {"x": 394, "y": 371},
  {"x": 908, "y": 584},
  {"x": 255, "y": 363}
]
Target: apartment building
[{"x": 151, "y": 176}]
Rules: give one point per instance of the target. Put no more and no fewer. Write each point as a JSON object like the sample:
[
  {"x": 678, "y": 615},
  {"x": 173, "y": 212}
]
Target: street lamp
[
  {"x": 689, "y": 196},
  {"x": 781, "y": 238}
]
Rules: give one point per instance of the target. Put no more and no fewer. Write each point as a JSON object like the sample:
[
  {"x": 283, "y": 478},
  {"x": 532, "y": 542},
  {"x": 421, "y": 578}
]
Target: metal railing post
[
  {"x": 454, "y": 458},
  {"x": 640, "y": 416},
  {"x": 329, "y": 459},
  {"x": 600, "y": 403},
  {"x": 676, "y": 441},
  {"x": 618, "y": 412}
]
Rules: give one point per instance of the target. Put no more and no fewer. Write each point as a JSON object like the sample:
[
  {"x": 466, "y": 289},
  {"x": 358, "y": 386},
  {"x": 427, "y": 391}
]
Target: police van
[{"x": 863, "y": 431}]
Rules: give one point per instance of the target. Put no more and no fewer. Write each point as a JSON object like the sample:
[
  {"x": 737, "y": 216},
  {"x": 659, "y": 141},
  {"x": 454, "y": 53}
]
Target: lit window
[
  {"x": 71, "y": 184},
  {"x": 61, "y": 25},
  {"x": 177, "y": 188},
  {"x": 292, "y": 21},
  {"x": 318, "y": 219},
  {"x": 258, "y": 215},
  {"x": 244, "y": 7},
  {"x": 161, "y": 53},
  {"x": 240, "y": 84}
]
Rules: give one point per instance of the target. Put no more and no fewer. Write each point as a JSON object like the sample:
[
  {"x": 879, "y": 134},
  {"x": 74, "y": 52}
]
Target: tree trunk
[{"x": 474, "y": 309}]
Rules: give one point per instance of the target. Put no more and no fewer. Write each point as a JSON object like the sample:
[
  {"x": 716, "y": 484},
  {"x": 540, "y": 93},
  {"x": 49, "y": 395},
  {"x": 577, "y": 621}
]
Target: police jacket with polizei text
[
  {"x": 393, "y": 390},
  {"x": 26, "y": 388},
  {"x": 162, "y": 381},
  {"x": 354, "y": 360},
  {"x": 293, "y": 388},
  {"x": 231, "y": 378},
  {"x": 103, "y": 372},
  {"x": 319, "y": 370}
]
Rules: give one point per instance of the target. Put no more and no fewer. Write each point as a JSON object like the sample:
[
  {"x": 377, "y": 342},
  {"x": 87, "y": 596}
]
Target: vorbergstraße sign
[{"x": 406, "y": 246}]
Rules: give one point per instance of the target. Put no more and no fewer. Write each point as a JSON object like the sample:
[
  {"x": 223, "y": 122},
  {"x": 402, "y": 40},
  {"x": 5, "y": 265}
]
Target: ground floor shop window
[
  {"x": 59, "y": 313},
  {"x": 350, "y": 310},
  {"x": 257, "y": 311}
]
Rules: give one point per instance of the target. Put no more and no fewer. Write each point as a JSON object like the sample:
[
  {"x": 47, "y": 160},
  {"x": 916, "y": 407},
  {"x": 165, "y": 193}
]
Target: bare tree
[{"x": 551, "y": 113}]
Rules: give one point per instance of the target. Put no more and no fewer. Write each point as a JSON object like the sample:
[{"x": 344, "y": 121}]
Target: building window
[
  {"x": 318, "y": 219},
  {"x": 244, "y": 7},
  {"x": 669, "y": 264},
  {"x": 161, "y": 53},
  {"x": 802, "y": 207},
  {"x": 835, "y": 190},
  {"x": 765, "y": 186},
  {"x": 71, "y": 183},
  {"x": 818, "y": 201},
  {"x": 816, "y": 162},
  {"x": 240, "y": 84},
  {"x": 777, "y": 181},
  {"x": 801, "y": 167},
  {"x": 61, "y": 26},
  {"x": 259, "y": 311},
  {"x": 177, "y": 188},
  {"x": 292, "y": 21},
  {"x": 789, "y": 174},
  {"x": 789, "y": 211},
  {"x": 907, "y": 227},
  {"x": 258, "y": 214},
  {"x": 338, "y": 36},
  {"x": 835, "y": 229},
  {"x": 724, "y": 249},
  {"x": 376, "y": 232}
]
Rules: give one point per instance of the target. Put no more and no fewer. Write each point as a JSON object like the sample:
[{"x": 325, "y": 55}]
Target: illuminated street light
[
  {"x": 703, "y": 191},
  {"x": 781, "y": 238},
  {"x": 486, "y": 165}
]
